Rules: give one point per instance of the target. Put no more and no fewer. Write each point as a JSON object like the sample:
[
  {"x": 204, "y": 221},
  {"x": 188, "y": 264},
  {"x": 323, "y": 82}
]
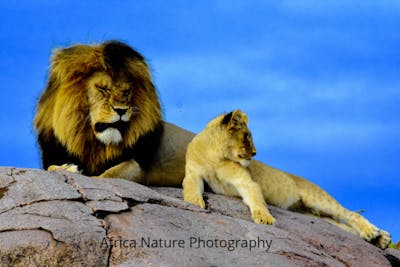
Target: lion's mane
[{"x": 62, "y": 121}]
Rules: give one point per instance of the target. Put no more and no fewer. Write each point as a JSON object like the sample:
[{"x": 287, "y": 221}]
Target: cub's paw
[
  {"x": 262, "y": 216},
  {"x": 64, "y": 167},
  {"x": 198, "y": 201},
  {"x": 383, "y": 240}
]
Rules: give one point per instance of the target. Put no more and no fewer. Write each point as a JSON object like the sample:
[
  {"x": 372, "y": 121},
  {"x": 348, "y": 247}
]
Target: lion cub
[{"x": 220, "y": 155}]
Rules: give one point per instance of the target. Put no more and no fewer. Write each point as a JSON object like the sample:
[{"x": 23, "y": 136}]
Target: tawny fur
[{"x": 214, "y": 155}]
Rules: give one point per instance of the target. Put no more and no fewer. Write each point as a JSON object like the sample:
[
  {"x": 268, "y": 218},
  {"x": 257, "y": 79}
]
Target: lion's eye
[
  {"x": 126, "y": 93},
  {"x": 102, "y": 89}
]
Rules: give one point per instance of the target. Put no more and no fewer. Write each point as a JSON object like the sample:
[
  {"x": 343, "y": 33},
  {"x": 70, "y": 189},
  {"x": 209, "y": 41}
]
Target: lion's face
[
  {"x": 110, "y": 107},
  {"x": 239, "y": 142}
]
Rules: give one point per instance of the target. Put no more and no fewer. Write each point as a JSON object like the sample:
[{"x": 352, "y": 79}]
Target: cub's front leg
[
  {"x": 193, "y": 187},
  {"x": 240, "y": 178}
]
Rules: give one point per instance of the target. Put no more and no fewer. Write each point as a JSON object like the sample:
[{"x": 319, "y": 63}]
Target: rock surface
[{"x": 65, "y": 219}]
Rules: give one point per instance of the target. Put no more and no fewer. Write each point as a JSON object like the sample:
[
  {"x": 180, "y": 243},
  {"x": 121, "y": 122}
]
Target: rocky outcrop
[{"x": 65, "y": 219}]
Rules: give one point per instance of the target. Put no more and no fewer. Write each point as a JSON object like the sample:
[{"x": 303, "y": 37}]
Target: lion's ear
[{"x": 235, "y": 119}]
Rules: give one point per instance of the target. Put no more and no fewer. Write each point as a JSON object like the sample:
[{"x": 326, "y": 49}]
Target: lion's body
[
  {"x": 209, "y": 157},
  {"x": 100, "y": 109}
]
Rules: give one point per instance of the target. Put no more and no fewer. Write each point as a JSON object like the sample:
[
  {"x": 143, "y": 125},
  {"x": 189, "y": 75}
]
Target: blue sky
[{"x": 319, "y": 80}]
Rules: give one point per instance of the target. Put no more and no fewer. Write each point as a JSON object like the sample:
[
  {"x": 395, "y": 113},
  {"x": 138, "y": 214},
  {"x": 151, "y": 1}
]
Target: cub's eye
[{"x": 102, "y": 89}]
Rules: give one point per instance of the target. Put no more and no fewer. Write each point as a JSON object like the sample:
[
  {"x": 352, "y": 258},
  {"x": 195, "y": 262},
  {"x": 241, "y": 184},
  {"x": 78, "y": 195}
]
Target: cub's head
[
  {"x": 239, "y": 146},
  {"x": 98, "y": 93}
]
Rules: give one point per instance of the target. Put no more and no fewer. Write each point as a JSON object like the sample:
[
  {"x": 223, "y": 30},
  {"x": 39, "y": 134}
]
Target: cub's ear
[{"x": 235, "y": 119}]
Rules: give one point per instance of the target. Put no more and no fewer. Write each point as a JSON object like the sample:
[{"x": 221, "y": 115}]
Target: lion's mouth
[{"x": 119, "y": 125}]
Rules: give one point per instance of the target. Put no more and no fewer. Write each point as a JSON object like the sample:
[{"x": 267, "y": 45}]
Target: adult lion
[{"x": 99, "y": 111}]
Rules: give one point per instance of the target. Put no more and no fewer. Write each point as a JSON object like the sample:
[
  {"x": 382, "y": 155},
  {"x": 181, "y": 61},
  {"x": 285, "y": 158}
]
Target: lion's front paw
[
  {"x": 64, "y": 167},
  {"x": 262, "y": 216},
  {"x": 198, "y": 201}
]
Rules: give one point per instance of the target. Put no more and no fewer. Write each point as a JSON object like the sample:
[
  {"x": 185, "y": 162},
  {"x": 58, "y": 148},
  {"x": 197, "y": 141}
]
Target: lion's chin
[{"x": 109, "y": 136}]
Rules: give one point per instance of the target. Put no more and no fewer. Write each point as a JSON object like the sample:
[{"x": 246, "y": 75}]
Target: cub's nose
[
  {"x": 253, "y": 153},
  {"x": 120, "y": 111}
]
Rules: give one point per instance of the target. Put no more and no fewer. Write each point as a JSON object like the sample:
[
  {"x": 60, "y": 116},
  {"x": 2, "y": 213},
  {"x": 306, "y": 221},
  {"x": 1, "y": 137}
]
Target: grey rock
[
  {"x": 23, "y": 186},
  {"x": 107, "y": 206},
  {"x": 121, "y": 190},
  {"x": 66, "y": 219},
  {"x": 51, "y": 233}
]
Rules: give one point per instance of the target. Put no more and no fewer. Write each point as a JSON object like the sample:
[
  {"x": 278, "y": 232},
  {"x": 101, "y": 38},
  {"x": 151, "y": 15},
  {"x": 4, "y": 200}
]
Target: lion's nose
[
  {"x": 253, "y": 153},
  {"x": 120, "y": 111}
]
